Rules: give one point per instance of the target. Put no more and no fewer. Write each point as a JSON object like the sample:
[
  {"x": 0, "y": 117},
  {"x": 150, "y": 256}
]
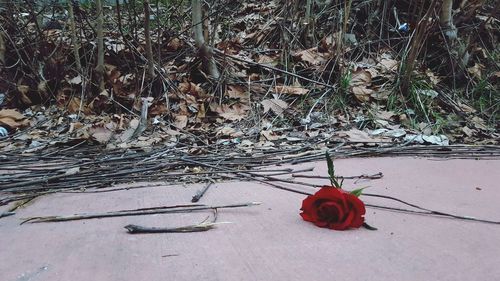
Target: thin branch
[{"x": 137, "y": 212}]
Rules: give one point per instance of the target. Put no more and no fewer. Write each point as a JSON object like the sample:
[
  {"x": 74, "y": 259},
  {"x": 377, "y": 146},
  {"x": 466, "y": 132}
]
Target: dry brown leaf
[
  {"x": 101, "y": 134},
  {"x": 479, "y": 123},
  {"x": 476, "y": 70},
  {"x": 171, "y": 132},
  {"x": 237, "y": 92},
  {"x": 269, "y": 135},
  {"x": 43, "y": 87},
  {"x": 12, "y": 118},
  {"x": 468, "y": 131},
  {"x": 381, "y": 94},
  {"x": 180, "y": 121},
  {"x": 432, "y": 77},
  {"x": 158, "y": 108},
  {"x": 234, "y": 112},
  {"x": 466, "y": 108},
  {"x": 360, "y": 80},
  {"x": 146, "y": 142},
  {"x": 23, "y": 90},
  {"x": 129, "y": 132},
  {"x": 174, "y": 44},
  {"x": 387, "y": 64},
  {"x": 74, "y": 126},
  {"x": 276, "y": 105},
  {"x": 355, "y": 135},
  {"x": 373, "y": 72},
  {"x": 290, "y": 90},
  {"x": 362, "y": 93},
  {"x": 360, "y": 77},
  {"x": 385, "y": 115},
  {"x": 267, "y": 60},
  {"x": 11, "y": 113},
  {"x": 73, "y": 105},
  {"x": 202, "y": 112},
  {"x": 83, "y": 132},
  {"x": 257, "y": 89},
  {"x": 229, "y": 132},
  {"x": 191, "y": 88},
  {"x": 254, "y": 77},
  {"x": 327, "y": 43},
  {"x": 310, "y": 56}
]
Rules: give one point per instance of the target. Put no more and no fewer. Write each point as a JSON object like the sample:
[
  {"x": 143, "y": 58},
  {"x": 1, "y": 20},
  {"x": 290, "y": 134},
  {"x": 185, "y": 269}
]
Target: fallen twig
[
  {"x": 203, "y": 226},
  {"x": 378, "y": 175},
  {"x": 136, "y": 212},
  {"x": 200, "y": 193},
  {"x": 6, "y": 214},
  {"x": 137, "y": 229}
]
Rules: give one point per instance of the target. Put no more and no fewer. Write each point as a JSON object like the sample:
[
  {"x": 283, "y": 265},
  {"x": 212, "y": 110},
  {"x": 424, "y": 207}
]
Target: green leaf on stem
[{"x": 357, "y": 192}]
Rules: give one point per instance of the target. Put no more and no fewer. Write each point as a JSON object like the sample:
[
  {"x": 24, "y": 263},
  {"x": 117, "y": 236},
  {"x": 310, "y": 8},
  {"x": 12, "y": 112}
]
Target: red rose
[{"x": 333, "y": 208}]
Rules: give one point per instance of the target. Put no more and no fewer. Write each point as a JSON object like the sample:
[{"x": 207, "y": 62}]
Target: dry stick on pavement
[
  {"x": 200, "y": 193},
  {"x": 203, "y": 226},
  {"x": 137, "y": 229},
  {"x": 6, "y": 214},
  {"x": 137, "y": 212},
  {"x": 174, "y": 176},
  {"x": 431, "y": 213},
  {"x": 378, "y": 175},
  {"x": 254, "y": 177},
  {"x": 15, "y": 187}
]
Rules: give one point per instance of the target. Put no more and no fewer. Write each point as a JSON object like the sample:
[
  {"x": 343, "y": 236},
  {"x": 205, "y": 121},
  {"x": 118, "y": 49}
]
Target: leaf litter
[{"x": 274, "y": 98}]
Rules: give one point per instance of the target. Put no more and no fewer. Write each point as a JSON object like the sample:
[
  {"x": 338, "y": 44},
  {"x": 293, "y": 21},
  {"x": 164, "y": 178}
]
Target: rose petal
[
  {"x": 330, "y": 212},
  {"x": 308, "y": 209},
  {"x": 345, "y": 224},
  {"x": 355, "y": 203},
  {"x": 331, "y": 193},
  {"x": 307, "y": 217},
  {"x": 321, "y": 223},
  {"x": 357, "y": 221},
  {"x": 357, "y": 208}
]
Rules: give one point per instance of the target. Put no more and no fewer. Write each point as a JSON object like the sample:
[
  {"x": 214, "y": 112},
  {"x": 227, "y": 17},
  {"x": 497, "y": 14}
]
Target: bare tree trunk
[
  {"x": 119, "y": 18},
  {"x": 205, "y": 51},
  {"x": 417, "y": 42},
  {"x": 149, "y": 49},
  {"x": 446, "y": 20},
  {"x": 76, "y": 44},
  {"x": 309, "y": 25},
  {"x": 2, "y": 49},
  {"x": 100, "y": 45}
]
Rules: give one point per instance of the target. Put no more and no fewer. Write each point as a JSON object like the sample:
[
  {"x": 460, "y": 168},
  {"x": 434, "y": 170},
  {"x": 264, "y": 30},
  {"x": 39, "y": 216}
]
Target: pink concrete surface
[{"x": 270, "y": 241}]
